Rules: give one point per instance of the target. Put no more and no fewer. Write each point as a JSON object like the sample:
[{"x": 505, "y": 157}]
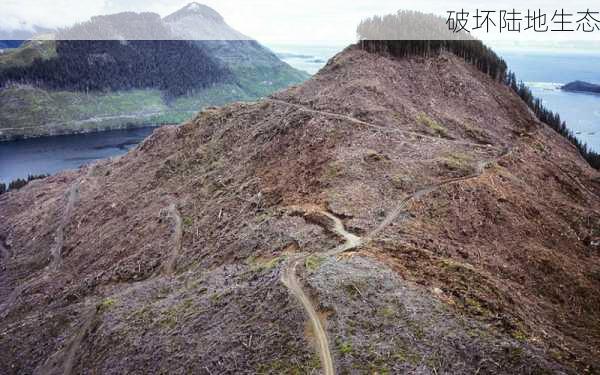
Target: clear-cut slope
[{"x": 472, "y": 224}]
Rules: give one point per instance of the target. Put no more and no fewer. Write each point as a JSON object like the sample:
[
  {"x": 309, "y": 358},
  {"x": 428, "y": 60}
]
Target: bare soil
[{"x": 476, "y": 225}]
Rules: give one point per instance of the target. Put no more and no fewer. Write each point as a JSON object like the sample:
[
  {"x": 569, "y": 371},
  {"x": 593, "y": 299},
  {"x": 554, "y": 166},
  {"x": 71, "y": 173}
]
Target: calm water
[
  {"x": 52, "y": 154},
  {"x": 544, "y": 72}
]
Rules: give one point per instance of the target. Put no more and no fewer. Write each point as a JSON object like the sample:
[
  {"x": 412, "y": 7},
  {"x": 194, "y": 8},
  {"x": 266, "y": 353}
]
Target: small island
[{"x": 580, "y": 86}]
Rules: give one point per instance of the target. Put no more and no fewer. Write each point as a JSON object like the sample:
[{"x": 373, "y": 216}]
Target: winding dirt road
[
  {"x": 290, "y": 280},
  {"x": 401, "y": 207},
  {"x": 289, "y": 277}
]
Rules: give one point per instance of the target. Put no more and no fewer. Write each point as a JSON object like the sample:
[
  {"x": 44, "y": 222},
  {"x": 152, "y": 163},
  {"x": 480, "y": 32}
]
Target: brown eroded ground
[{"x": 469, "y": 223}]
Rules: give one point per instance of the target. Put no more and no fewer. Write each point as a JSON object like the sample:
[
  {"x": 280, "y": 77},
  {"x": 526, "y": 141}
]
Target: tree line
[
  {"x": 406, "y": 24},
  {"x": 551, "y": 119},
  {"x": 20, "y": 182}
]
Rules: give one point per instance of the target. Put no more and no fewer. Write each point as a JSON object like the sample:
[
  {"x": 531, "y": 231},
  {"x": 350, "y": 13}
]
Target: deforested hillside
[{"x": 390, "y": 215}]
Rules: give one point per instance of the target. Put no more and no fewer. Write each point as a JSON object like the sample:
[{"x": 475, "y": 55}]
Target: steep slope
[
  {"x": 69, "y": 85},
  {"x": 259, "y": 71},
  {"x": 13, "y": 38},
  {"x": 411, "y": 214},
  {"x": 200, "y": 22}
]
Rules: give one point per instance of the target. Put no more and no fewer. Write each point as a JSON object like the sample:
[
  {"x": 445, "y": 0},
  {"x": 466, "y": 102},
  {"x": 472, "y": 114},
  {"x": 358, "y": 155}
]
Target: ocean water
[
  {"x": 544, "y": 72},
  {"x": 309, "y": 58},
  {"x": 48, "y": 155}
]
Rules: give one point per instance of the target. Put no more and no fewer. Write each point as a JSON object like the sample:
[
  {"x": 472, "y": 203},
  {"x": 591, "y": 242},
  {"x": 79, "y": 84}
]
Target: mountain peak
[
  {"x": 202, "y": 10},
  {"x": 197, "y": 21}
]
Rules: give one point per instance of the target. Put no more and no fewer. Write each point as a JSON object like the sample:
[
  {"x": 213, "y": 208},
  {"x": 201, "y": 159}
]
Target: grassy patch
[
  {"x": 459, "y": 163},
  {"x": 402, "y": 182},
  {"x": 313, "y": 262},
  {"x": 475, "y": 133},
  {"x": 144, "y": 316},
  {"x": 187, "y": 221},
  {"x": 432, "y": 125},
  {"x": 106, "y": 304},
  {"x": 518, "y": 334},
  {"x": 387, "y": 312},
  {"x": 170, "y": 317},
  {"x": 332, "y": 170},
  {"x": 374, "y": 156},
  {"x": 27, "y": 53},
  {"x": 352, "y": 289},
  {"x": 403, "y": 353},
  {"x": 540, "y": 147},
  {"x": 258, "y": 264},
  {"x": 279, "y": 366},
  {"x": 345, "y": 348}
]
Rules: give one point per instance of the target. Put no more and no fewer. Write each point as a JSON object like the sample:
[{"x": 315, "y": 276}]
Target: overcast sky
[{"x": 267, "y": 20}]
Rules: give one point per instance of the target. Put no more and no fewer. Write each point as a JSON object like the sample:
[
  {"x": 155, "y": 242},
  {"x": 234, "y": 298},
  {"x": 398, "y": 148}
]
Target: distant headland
[{"x": 580, "y": 86}]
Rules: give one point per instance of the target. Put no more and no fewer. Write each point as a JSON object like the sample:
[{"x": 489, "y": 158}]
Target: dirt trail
[
  {"x": 289, "y": 277},
  {"x": 401, "y": 207},
  {"x": 373, "y": 126},
  {"x": 63, "y": 361},
  {"x": 172, "y": 213},
  {"x": 290, "y": 280},
  {"x": 72, "y": 196}
]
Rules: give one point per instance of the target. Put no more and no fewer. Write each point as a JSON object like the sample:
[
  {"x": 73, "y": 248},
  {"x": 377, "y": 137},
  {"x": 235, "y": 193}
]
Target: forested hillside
[
  {"x": 175, "y": 66},
  {"x": 133, "y": 69}
]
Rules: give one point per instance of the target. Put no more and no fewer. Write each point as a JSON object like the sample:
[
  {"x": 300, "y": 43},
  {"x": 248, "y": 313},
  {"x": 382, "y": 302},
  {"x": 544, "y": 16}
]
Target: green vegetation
[
  {"x": 258, "y": 264},
  {"x": 352, "y": 290},
  {"x": 170, "y": 317},
  {"x": 187, "y": 221},
  {"x": 374, "y": 156},
  {"x": 47, "y": 91},
  {"x": 402, "y": 181},
  {"x": 279, "y": 366},
  {"x": 105, "y": 305},
  {"x": 345, "y": 348},
  {"x": 459, "y": 162},
  {"x": 27, "y": 53},
  {"x": 404, "y": 354},
  {"x": 432, "y": 125},
  {"x": 20, "y": 182},
  {"x": 45, "y": 112},
  {"x": 388, "y": 312},
  {"x": 333, "y": 170},
  {"x": 176, "y": 67},
  {"x": 313, "y": 262}
]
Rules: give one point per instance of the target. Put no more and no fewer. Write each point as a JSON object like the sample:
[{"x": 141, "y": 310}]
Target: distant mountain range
[
  {"x": 15, "y": 38},
  {"x": 97, "y": 76}
]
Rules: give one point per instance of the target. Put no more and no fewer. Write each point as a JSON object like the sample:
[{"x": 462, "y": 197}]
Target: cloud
[{"x": 267, "y": 20}]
